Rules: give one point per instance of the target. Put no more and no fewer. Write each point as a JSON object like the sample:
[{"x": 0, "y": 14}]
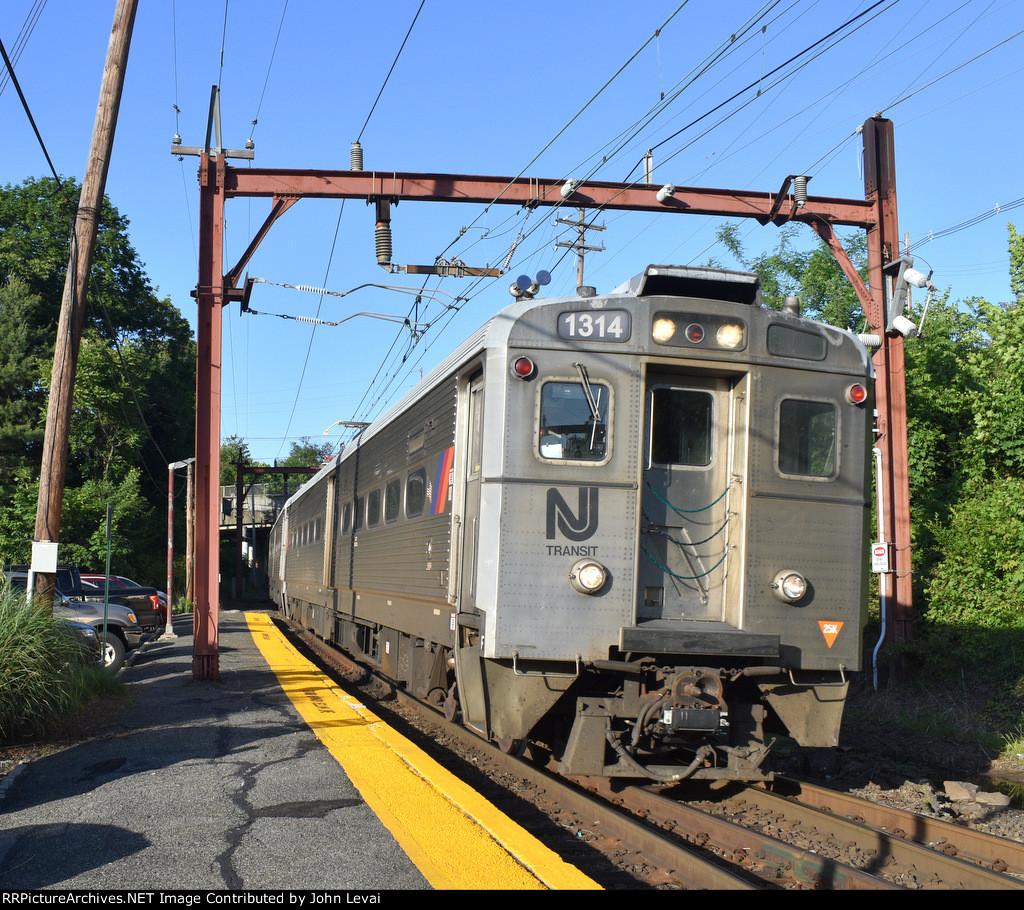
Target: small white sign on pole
[
  {"x": 44, "y": 556},
  {"x": 880, "y": 557}
]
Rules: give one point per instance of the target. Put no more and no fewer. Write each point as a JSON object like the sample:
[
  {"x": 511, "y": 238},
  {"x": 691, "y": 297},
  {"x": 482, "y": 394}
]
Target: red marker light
[
  {"x": 694, "y": 333},
  {"x": 523, "y": 367},
  {"x": 856, "y": 393}
]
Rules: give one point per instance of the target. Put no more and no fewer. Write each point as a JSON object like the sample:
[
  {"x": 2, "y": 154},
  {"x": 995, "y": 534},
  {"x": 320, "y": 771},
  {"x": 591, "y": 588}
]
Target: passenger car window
[
  {"x": 372, "y": 508},
  {"x": 357, "y": 514},
  {"x": 415, "y": 492},
  {"x": 681, "y": 421},
  {"x": 807, "y": 438},
  {"x": 570, "y": 429},
  {"x": 392, "y": 500}
]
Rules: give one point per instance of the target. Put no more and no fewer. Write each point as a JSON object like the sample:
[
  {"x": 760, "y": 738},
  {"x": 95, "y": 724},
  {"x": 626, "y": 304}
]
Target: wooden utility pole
[
  {"x": 581, "y": 248},
  {"x": 76, "y": 284}
]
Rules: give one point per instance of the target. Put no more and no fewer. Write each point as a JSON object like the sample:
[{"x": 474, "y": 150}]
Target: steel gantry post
[{"x": 876, "y": 214}]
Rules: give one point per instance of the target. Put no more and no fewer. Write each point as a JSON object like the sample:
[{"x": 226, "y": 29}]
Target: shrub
[{"x": 44, "y": 678}]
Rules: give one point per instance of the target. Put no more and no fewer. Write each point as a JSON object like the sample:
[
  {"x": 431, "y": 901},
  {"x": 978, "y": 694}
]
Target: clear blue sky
[{"x": 488, "y": 88}]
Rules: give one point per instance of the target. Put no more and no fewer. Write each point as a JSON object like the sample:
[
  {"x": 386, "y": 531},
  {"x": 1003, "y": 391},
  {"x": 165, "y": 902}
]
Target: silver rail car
[{"x": 630, "y": 528}]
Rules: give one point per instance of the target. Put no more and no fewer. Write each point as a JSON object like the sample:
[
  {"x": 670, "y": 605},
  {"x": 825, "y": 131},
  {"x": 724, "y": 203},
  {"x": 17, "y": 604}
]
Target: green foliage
[
  {"x": 44, "y": 680},
  {"x": 965, "y": 418},
  {"x": 815, "y": 277},
  {"x": 22, "y": 396},
  {"x": 136, "y": 358},
  {"x": 980, "y": 580},
  {"x": 234, "y": 451},
  {"x": 940, "y": 419}
]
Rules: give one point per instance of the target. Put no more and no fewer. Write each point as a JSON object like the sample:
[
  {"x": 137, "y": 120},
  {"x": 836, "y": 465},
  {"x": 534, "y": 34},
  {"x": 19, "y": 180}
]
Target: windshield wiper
[{"x": 592, "y": 403}]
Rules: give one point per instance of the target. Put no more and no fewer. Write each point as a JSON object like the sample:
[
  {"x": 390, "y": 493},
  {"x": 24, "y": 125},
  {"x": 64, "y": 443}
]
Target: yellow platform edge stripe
[{"x": 457, "y": 838}]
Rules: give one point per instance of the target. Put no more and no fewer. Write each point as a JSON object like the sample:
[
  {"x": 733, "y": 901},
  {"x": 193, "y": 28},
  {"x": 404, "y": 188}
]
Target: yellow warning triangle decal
[{"x": 830, "y": 630}]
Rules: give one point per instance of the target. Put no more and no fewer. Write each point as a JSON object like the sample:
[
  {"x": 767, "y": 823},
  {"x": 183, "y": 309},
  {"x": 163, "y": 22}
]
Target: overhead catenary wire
[{"x": 337, "y": 229}]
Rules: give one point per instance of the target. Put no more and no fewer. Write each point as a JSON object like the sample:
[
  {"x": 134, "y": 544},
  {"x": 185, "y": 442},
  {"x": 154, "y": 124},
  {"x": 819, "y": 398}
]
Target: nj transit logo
[{"x": 577, "y": 526}]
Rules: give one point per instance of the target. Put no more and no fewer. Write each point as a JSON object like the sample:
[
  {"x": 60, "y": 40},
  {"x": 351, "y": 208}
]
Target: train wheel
[
  {"x": 451, "y": 705},
  {"x": 436, "y": 699},
  {"x": 511, "y": 746}
]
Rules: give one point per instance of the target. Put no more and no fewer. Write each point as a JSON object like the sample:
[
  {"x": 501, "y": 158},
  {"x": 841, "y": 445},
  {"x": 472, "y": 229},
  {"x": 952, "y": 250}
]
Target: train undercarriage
[{"x": 647, "y": 717}]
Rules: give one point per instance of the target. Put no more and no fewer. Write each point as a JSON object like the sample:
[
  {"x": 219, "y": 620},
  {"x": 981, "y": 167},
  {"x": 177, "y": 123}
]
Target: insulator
[
  {"x": 383, "y": 243},
  {"x": 508, "y": 257},
  {"x": 356, "y": 157},
  {"x": 800, "y": 191}
]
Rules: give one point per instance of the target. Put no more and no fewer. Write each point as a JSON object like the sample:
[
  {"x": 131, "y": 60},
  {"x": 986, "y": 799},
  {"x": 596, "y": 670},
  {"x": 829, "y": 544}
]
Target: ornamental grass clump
[{"x": 44, "y": 677}]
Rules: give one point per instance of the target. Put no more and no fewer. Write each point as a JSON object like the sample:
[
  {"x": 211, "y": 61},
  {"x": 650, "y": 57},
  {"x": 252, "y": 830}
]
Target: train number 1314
[{"x": 597, "y": 325}]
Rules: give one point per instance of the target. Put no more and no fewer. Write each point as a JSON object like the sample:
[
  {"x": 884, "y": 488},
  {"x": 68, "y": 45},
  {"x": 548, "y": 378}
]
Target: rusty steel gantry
[{"x": 875, "y": 213}]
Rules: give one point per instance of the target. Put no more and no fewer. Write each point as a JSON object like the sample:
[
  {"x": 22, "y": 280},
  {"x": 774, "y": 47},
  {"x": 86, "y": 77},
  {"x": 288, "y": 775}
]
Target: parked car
[
  {"x": 124, "y": 632},
  {"x": 120, "y": 585},
  {"x": 88, "y": 640},
  {"x": 145, "y": 602},
  {"x": 123, "y": 635}
]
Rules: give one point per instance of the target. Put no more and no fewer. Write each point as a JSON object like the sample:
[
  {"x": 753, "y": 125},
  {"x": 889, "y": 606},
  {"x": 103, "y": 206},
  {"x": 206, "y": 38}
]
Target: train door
[
  {"x": 687, "y": 476},
  {"x": 471, "y": 503}
]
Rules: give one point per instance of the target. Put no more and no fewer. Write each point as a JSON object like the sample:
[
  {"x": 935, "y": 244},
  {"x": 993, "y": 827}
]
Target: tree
[
  {"x": 306, "y": 454},
  {"x": 977, "y": 585},
  {"x": 825, "y": 292},
  {"x": 134, "y": 408},
  {"x": 22, "y": 396},
  {"x": 235, "y": 450}
]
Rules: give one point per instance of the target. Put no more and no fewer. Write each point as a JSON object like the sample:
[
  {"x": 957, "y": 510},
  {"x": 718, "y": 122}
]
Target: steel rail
[
  {"x": 997, "y": 853},
  {"x": 908, "y": 853}
]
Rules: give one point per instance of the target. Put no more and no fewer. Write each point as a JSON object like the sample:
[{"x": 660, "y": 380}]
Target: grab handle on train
[
  {"x": 821, "y": 685},
  {"x": 542, "y": 673}
]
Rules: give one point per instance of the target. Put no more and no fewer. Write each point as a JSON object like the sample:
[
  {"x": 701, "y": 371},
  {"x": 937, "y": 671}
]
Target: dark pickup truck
[{"x": 143, "y": 602}]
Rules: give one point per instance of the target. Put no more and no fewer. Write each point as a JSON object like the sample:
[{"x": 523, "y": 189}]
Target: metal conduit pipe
[{"x": 881, "y": 575}]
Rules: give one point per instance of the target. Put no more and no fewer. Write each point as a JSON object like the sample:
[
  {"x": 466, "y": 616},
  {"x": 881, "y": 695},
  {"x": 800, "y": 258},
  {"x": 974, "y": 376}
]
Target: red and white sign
[{"x": 880, "y": 557}]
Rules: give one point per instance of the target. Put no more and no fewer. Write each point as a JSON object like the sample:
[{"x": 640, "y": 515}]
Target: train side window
[
  {"x": 681, "y": 422},
  {"x": 372, "y": 508},
  {"x": 415, "y": 492},
  {"x": 392, "y": 500},
  {"x": 807, "y": 437},
  {"x": 571, "y": 429},
  {"x": 346, "y": 518},
  {"x": 358, "y": 515}
]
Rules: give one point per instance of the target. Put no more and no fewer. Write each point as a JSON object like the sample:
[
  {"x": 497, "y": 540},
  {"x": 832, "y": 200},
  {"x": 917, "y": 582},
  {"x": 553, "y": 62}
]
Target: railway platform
[{"x": 270, "y": 780}]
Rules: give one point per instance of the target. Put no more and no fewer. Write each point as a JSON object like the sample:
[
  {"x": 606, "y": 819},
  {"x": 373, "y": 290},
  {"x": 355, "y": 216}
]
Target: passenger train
[{"x": 628, "y": 529}]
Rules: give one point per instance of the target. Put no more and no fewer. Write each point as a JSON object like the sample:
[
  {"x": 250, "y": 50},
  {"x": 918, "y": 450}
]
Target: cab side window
[{"x": 807, "y": 438}]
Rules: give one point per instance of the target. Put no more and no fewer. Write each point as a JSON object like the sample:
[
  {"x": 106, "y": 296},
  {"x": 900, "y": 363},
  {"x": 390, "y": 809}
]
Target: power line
[{"x": 373, "y": 107}]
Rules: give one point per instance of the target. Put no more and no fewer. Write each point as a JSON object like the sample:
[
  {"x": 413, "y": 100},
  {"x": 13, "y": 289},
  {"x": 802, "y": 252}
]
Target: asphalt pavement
[{"x": 198, "y": 786}]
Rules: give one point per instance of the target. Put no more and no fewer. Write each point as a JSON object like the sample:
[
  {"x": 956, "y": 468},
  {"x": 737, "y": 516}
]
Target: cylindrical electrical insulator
[
  {"x": 800, "y": 191},
  {"x": 383, "y": 242},
  {"x": 356, "y": 157}
]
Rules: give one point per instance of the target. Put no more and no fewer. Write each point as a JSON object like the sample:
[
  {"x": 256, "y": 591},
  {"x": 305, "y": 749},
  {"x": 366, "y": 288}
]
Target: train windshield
[
  {"x": 807, "y": 438},
  {"x": 574, "y": 421}
]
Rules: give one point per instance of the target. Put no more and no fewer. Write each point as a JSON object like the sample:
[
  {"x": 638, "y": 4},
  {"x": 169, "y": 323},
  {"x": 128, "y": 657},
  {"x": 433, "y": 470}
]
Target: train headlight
[
  {"x": 789, "y": 586},
  {"x": 588, "y": 576},
  {"x": 730, "y": 335},
  {"x": 663, "y": 329}
]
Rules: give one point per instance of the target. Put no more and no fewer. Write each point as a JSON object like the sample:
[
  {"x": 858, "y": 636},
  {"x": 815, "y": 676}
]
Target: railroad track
[{"x": 793, "y": 836}]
